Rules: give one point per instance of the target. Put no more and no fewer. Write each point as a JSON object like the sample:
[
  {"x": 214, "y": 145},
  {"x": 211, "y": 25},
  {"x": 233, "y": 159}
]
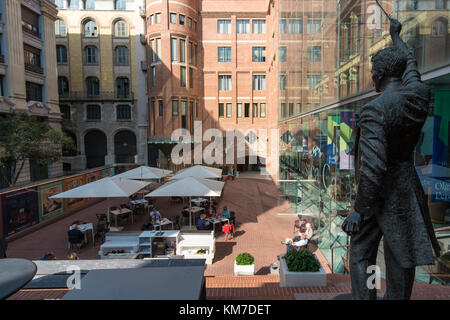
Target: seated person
[
  {"x": 300, "y": 242},
  {"x": 211, "y": 210},
  {"x": 155, "y": 215},
  {"x": 202, "y": 224},
  {"x": 225, "y": 212},
  {"x": 233, "y": 218},
  {"x": 48, "y": 256},
  {"x": 75, "y": 235},
  {"x": 288, "y": 243}
]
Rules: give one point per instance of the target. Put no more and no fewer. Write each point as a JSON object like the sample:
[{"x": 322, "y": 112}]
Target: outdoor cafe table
[
  {"x": 118, "y": 212},
  {"x": 163, "y": 222},
  {"x": 198, "y": 201},
  {"x": 84, "y": 228},
  {"x": 215, "y": 221},
  {"x": 139, "y": 202}
]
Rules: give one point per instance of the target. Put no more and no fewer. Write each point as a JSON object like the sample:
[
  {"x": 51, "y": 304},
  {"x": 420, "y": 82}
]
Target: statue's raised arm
[{"x": 411, "y": 73}]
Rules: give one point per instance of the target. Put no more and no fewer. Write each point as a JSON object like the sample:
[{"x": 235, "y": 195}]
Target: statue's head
[{"x": 387, "y": 63}]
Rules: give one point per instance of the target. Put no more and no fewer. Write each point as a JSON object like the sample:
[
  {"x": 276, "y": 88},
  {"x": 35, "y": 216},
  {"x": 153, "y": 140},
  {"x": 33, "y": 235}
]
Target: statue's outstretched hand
[
  {"x": 395, "y": 27},
  {"x": 351, "y": 223}
]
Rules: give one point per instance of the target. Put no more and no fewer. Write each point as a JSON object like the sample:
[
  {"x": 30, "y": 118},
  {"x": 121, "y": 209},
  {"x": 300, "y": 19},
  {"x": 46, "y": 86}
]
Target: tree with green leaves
[{"x": 23, "y": 137}]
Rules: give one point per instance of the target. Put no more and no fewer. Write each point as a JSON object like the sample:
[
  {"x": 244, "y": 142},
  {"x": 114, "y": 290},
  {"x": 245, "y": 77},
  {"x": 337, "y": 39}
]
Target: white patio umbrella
[
  {"x": 189, "y": 187},
  {"x": 109, "y": 187},
  {"x": 144, "y": 173},
  {"x": 198, "y": 171}
]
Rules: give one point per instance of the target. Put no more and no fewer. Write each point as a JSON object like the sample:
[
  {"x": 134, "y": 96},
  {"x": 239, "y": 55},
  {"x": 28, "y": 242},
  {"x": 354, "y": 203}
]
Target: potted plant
[
  {"x": 244, "y": 265},
  {"x": 301, "y": 268}
]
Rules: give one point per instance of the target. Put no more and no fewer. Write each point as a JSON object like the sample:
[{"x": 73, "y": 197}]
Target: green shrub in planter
[
  {"x": 301, "y": 261},
  {"x": 244, "y": 259}
]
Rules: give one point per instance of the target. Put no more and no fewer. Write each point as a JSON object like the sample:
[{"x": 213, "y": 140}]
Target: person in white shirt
[
  {"x": 155, "y": 214},
  {"x": 302, "y": 242}
]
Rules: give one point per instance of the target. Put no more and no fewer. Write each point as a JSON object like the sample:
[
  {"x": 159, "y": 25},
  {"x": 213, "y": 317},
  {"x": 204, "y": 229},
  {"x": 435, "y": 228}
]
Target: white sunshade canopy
[
  {"x": 198, "y": 171},
  {"x": 110, "y": 187},
  {"x": 189, "y": 187},
  {"x": 144, "y": 172}
]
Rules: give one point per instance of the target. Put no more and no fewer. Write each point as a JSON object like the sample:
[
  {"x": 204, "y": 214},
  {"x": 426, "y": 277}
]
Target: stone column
[{"x": 14, "y": 45}]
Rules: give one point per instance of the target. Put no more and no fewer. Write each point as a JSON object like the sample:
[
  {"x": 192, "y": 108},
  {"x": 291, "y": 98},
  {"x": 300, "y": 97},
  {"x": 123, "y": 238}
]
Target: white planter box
[
  {"x": 244, "y": 270},
  {"x": 301, "y": 279}
]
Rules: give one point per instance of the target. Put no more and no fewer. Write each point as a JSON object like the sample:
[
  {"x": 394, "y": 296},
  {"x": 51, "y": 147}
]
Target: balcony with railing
[
  {"x": 30, "y": 29},
  {"x": 142, "y": 11},
  {"x": 34, "y": 68},
  {"x": 100, "y": 96}
]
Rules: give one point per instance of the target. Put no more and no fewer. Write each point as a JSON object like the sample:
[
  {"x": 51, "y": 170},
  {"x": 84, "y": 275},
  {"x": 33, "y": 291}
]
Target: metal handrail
[{"x": 332, "y": 255}]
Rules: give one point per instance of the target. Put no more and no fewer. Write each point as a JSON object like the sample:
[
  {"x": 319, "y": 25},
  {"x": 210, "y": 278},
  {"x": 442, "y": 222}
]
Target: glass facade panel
[{"x": 332, "y": 72}]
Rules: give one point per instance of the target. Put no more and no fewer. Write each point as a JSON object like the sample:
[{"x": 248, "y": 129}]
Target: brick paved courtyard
[{"x": 260, "y": 230}]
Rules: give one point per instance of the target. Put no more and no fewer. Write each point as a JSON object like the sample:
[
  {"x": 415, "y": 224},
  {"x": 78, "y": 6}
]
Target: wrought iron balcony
[
  {"x": 142, "y": 11},
  {"x": 30, "y": 30},
  {"x": 100, "y": 96},
  {"x": 33, "y": 68}
]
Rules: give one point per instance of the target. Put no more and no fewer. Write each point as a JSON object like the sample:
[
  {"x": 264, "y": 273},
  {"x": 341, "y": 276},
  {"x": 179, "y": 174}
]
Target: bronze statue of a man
[{"x": 390, "y": 200}]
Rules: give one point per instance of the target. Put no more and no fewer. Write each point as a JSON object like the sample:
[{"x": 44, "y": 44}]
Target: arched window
[
  {"x": 90, "y": 29},
  {"x": 122, "y": 87},
  {"x": 91, "y": 55},
  {"x": 92, "y": 87},
  {"x": 121, "y": 55},
  {"x": 60, "y": 28},
  {"x": 61, "y": 54},
  {"x": 63, "y": 86},
  {"x": 438, "y": 28},
  {"x": 123, "y": 112},
  {"x": 121, "y": 29}
]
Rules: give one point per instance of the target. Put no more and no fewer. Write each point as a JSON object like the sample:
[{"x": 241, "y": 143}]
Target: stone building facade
[
  {"x": 102, "y": 81},
  {"x": 28, "y": 72}
]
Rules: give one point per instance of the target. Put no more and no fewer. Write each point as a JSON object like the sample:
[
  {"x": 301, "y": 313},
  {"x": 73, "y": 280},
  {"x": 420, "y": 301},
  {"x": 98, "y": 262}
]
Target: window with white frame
[
  {"x": 259, "y": 54},
  {"x": 158, "y": 17},
  {"x": 259, "y": 82},
  {"x": 174, "y": 49},
  {"x": 313, "y": 26},
  {"x": 60, "y": 28},
  {"x": 182, "y": 50},
  {"x": 223, "y": 26},
  {"x": 182, "y": 19},
  {"x": 121, "y": 29},
  {"x": 262, "y": 110},
  {"x": 243, "y": 26},
  {"x": 173, "y": 17},
  {"x": 224, "y": 82},
  {"x": 182, "y": 76},
  {"x": 90, "y": 29},
  {"x": 295, "y": 26},
  {"x": 314, "y": 53},
  {"x": 282, "y": 53},
  {"x": 312, "y": 80},
  {"x": 283, "y": 26},
  {"x": 229, "y": 110},
  {"x": 259, "y": 26},
  {"x": 224, "y": 54}
]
